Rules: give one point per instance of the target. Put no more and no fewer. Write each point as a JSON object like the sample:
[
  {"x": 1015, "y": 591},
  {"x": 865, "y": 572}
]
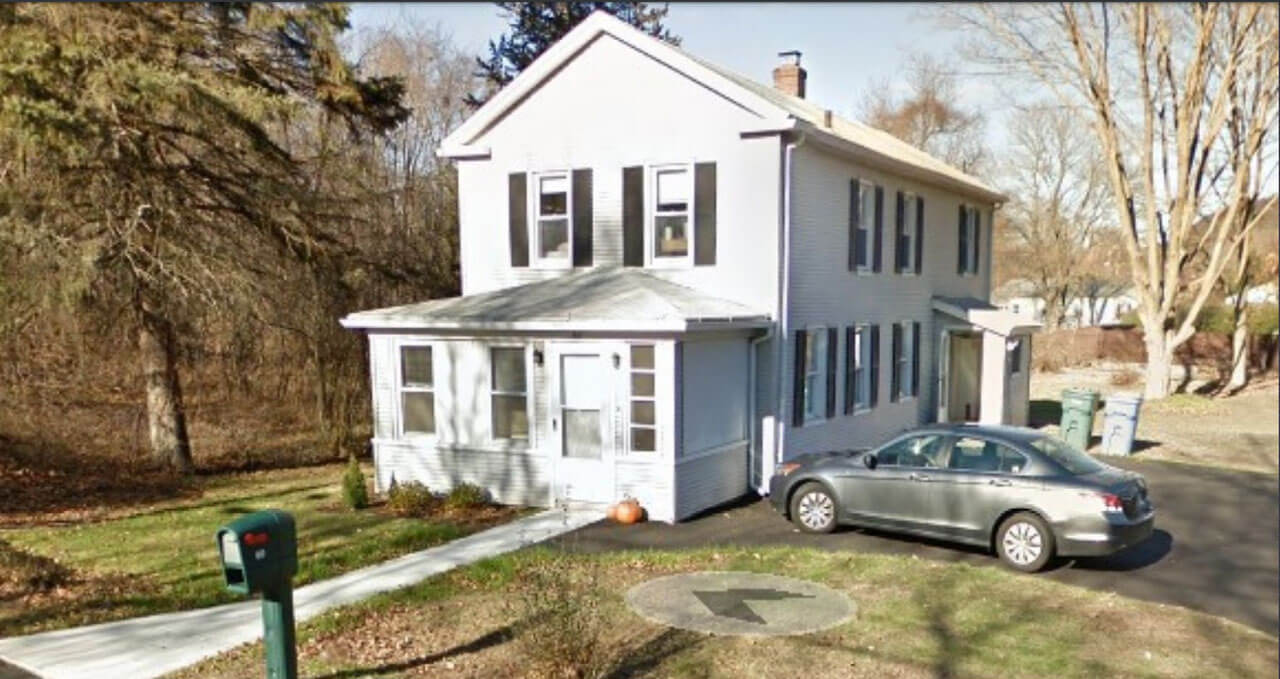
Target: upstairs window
[
  {"x": 672, "y": 203},
  {"x": 865, "y": 218},
  {"x": 970, "y": 240},
  {"x": 906, "y": 235},
  {"x": 551, "y": 218},
  {"x": 417, "y": 392}
]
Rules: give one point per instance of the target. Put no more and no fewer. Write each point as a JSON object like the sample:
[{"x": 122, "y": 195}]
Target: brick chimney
[{"x": 788, "y": 77}]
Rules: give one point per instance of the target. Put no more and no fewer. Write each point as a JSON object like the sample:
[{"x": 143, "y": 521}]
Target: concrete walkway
[{"x": 158, "y": 644}]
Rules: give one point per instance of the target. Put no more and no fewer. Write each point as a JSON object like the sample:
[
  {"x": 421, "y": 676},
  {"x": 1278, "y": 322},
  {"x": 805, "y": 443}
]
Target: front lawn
[
  {"x": 163, "y": 557},
  {"x": 915, "y": 618}
]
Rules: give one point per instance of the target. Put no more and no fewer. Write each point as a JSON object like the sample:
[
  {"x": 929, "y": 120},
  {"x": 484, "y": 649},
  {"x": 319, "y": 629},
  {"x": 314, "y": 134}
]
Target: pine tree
[{"x": 535, "y": 26}]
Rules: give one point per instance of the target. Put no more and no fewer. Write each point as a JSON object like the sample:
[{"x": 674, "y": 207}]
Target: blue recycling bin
[{"x": 1120, "y": 423}]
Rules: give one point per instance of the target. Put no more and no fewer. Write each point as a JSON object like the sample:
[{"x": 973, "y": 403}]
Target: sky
[{"x": 847, "y": 48}]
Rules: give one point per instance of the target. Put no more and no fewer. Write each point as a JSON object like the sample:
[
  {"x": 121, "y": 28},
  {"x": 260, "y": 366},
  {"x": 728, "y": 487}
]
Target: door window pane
[
  {"x": 642, "y": 412},
  {"x": 642, "y": 357},
  {"x": 419, "y": 412},
  {"x": 644, "y": 423},
  {"x": 582, "y": 434},
  {"x": 643, "y": 438},
  {"x": 641, "y": 384}
]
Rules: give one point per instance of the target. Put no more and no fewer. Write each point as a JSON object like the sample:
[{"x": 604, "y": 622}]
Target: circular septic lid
[{"x": 740, "y": 603}]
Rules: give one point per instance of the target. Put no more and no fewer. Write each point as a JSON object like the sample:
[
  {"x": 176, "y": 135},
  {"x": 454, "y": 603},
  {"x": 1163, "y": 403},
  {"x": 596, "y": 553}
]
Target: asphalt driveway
[{"x": 1216, "y": 547}]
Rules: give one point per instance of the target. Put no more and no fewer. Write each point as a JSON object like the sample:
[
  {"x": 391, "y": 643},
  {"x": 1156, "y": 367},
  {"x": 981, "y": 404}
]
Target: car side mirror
[{"x": 870, "y": 460}]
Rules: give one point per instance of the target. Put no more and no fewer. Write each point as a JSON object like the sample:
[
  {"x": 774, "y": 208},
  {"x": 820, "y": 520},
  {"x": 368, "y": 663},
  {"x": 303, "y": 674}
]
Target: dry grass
[{"x": 916, "y": 618}]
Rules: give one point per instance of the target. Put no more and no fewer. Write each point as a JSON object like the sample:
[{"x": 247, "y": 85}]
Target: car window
[
  {"x": 914, "y": 451},
  {"x": 1071, "y": 458},
  {"x": 980, "y": 455}
]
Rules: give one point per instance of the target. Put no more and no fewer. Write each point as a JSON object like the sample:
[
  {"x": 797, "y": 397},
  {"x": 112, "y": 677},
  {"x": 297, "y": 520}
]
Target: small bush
[
  {"x": 23, "y": 573},
  {"x": 466, "y": 496},
  {"x": 355, "y": 493},
  {"x": 564, "y": 620},
  {"x": 411, "y": 499},
  {"x": 1125, "y": 378}
]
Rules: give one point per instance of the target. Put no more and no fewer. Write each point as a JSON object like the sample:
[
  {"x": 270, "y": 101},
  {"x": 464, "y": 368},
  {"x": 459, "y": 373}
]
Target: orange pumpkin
[
  {"x": 612, "y": 512},
  {"x": 629, "y": 511}
]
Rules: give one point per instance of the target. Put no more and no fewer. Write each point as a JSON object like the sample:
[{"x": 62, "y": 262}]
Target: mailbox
[{"x": 259, "y": 551}]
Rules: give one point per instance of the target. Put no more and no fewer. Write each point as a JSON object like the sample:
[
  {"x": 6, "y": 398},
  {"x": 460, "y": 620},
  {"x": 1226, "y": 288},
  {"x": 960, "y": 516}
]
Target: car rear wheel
[
  {"x": 1025, "y": 542},
  {"x": 813, "y": 508}
]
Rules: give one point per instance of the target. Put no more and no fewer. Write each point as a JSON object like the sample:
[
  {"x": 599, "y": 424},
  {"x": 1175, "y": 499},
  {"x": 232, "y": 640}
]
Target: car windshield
[{"x": 1071, "y": 458}]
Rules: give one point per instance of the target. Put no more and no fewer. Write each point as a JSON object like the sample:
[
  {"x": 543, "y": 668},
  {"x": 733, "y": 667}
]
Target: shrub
[
  {"x": 23, "y": 573},
  {"x": 410, "y": 499},
  {"x": 466, "y": 496},
  {"x": 564, "y": 621},
  {"x": 354, "y": 491},
  {"x": 1264, "y": 319}
]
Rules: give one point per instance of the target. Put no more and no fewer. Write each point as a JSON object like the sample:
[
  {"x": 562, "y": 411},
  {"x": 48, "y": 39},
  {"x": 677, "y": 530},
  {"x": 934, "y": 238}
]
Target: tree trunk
[
  {"x": 166, "y": 420},
  {"x": 1159, "y": 362},
  {"x": 1239, "y": 350}
]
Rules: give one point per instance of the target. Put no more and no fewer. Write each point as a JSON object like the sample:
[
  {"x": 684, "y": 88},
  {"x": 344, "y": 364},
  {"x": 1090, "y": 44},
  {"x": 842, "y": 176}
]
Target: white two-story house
[{"x": 673, "y": 278}]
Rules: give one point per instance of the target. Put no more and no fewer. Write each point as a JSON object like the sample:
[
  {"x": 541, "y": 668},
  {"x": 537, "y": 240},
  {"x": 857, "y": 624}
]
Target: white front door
[{"x": 581, "y": 439}]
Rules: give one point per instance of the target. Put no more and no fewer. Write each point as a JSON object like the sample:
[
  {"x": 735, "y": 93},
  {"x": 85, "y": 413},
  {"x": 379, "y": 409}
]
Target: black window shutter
[
  {"x": 915, "y": 359},
  {"x": 833, "y": 340},
  {"x": 977, "y": 240},
  {"x": 797, "y": 379},
  {"x": 895, "y": 352},
  {"x": 583, "y": 221},
  {"x": 633, "y": 216},
  {"x": 855, "y": 236},
  {"x": 878, "y": 242},
  {"x": 850, "y": 363},
  {"x": 919, "y": 232},
  {"x": 704, "y": 214},
  {"x": 962, "y": 246},
  {"x": 898, "y": 226},
  {"x": 518, "y": 218},
  {"x": 874, "y": 396}
]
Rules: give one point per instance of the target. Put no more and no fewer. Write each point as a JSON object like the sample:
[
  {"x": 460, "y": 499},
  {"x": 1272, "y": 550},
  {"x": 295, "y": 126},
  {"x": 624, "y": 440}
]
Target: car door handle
[
  {"x": 1000, "y": 482},
  {"x": 918, "y": 477}
]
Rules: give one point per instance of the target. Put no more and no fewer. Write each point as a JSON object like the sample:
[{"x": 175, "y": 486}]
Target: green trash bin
[{"x": 1078, "y": 406}]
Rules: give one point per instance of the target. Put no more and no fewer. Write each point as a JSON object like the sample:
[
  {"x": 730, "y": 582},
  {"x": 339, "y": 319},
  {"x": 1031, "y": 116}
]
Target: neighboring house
[
  {"x": 673, "y": 278},
  {"x": 1264, "y": 293},
  {"x": 1017, "y": 296}
]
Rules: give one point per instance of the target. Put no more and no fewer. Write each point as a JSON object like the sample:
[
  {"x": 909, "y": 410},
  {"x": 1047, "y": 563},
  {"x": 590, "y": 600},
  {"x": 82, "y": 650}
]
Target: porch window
[
  {"x": 417, "y": 392},
  {"x": 672, "y": 202},
  {"x": 509, "y": 393},
  {"x": 644, "y": 423},
  {"x": 551, "y": 220},
  {"x": 815, "y": 370}
]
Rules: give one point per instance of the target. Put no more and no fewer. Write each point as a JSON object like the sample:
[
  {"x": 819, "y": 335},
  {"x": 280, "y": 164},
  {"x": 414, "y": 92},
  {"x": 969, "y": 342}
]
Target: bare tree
[
  {"x": 1104, "y": 272},
  {"x": 928, "y": 116},
  {"x": 1182, "y": 98},
  {"x": 1253, "y": 261},
  {"x": 1059, "y": 194}
]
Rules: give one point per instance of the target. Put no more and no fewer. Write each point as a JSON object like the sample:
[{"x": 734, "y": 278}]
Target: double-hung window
[
  {"x": 860, "y": 354},
  {"x": 906, "y": 236},
  {"x": 672, "y": 209},
  {"x": 864, "y": 234},
  {"x": 906, "y": 360},
  {"x": 508, "y": 393},
  {"x": 417, "y": 391},
  {"x": 815, "y": 371},
  {"x": 552, "y": 229},
  {"x": 644, "y": 423}
]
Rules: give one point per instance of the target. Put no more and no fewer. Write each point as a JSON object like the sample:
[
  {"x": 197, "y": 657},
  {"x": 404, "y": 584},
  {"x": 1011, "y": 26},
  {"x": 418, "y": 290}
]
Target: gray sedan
[{"x": 1026, "y": 495}]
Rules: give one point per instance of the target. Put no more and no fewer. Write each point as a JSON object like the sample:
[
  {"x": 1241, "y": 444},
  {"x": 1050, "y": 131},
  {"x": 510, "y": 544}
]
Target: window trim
[
  {"x": 631, "y": 397},
  {"x": 820, "y": 371},
  {"x": 862, "y": 344},
  {"x": 651, "y": 259},
  {"x": 867, "y": 194},
  {"x": 904, "y": 356},
  {"x": 400, "y": 390},
  {"x": 909, "y": 206},
  {"x": 528, "y": 396},
  {"x": 536, "y": 260}
]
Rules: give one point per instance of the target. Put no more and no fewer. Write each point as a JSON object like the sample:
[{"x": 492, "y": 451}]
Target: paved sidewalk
[{"x": 158, "y": 644}]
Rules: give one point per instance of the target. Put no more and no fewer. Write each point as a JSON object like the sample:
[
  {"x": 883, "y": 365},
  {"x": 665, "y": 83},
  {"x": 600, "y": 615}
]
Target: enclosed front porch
[{"x": 983, "y": 362}]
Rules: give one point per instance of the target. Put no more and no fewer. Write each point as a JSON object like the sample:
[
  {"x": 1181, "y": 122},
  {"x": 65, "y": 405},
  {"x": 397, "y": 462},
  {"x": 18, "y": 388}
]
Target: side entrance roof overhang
[{"x": 983, "y": 315}]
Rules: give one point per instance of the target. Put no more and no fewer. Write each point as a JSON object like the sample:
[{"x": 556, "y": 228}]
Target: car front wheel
[
  {"x": 1025, "y": 542},
  {"x": 813, "y": 509}
]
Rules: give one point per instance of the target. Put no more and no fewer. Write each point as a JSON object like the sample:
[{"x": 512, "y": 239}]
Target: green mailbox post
[{"x": 260, "y": 555}]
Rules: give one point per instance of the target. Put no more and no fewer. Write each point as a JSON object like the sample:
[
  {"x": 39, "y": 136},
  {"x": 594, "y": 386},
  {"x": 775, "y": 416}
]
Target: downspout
[
  {"x": 763, "y": 486},
  {"x": 784, "y": 298}
]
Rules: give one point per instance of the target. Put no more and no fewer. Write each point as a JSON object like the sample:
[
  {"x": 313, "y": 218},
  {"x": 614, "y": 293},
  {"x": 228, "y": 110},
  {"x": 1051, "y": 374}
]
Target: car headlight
[{"x": 786, "y": 468}]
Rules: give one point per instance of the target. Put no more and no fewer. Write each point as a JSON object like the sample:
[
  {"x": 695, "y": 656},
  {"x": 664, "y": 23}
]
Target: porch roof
[
  {"x": 603, "y": 299},
  {"x": 985, "y": 315}
]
